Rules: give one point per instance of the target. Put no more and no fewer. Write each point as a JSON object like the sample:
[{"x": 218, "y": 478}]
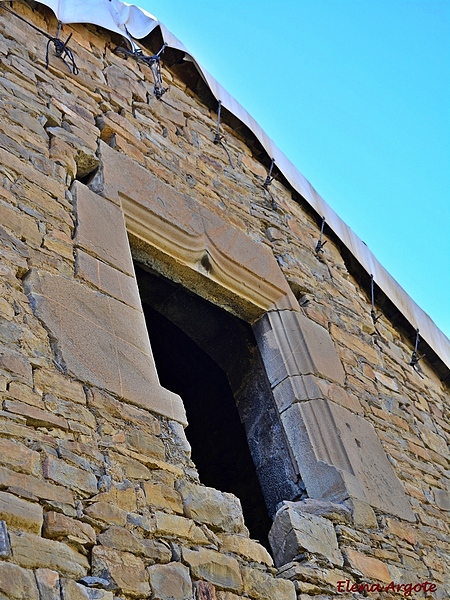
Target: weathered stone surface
[
  {"x": 219, "y": 510},
  {"x": 368, "y": 566},
  {"x": 170, "y": 581},
  {"x": 57, "y": 527},
  {"x": 36, "y": 416},
  {"x": 17, "y": 583},
  {"x": 247, "y": 548},
  {"x": 293, "y": 345},
  {"x": 15, "y": 363},
  {"x": 442, "y": 498},
  {"x": 176, "y": 526},
  {"x": 5, "y": 548},
  {"x": 362, "y": 514},
  {"x": 19, "y": 457},
  {"x": 258, "y": 584},
  {"x": 33, "y": 552},
  {"x": 123, "y": 569},
  {"x": 121, "y": 539},
  {"x": 340, "y": 455},
  {"x": 219, "y": 569},
  {"x": 61, "y": 472},
  {"x": 37, "y": 487},
  {"x": 77, "y": 591},
  {"x": 337, "y": 513},
  {"x": 107, "y": 279},
  {"x": 106, "y": 513},
  {"x": 162, "y": 496},
  {"x": 20, "y": 514},
  {"x": 109, "y": 242},
  {"x": 48, "y": 583},
  {"x": 101, "y": 341},
  {"x": 293, "y": 532}
]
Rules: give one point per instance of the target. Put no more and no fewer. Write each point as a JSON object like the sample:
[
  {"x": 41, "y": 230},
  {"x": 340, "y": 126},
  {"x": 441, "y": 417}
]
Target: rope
[
  {"x": 154, "y": 62},
  {"x": 62, "y": 51}
]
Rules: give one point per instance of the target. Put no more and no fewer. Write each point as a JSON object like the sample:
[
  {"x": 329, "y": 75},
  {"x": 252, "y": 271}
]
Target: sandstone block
[
  {"x": 162, "y": 496},
  {"x": 37, "y": 487},
  {"x": 15, "y": 363},
  {"x": 60, "y": 385},
  {"x": 107, "y": 279},
  {"x": 35, "y": 416},
  {"x": 170, "y": 581},
  {"x": 33, "y": 552},
  {"x": 293, "y": 532},
  {"x": 176, "y": 526},
  {"x": 247, "y": 548},
  {"x": 402, "y": 530},
  {"x": 61, "y": 472},
  {"x": 121, "y": 539},
  {"x": 337, "y": 513},
  {"x": 109, "y": 242},
  {"x": 17, "y": 583},
  {"x": 106, "y": 513},
  {"x": 368, "y": 566},
  {"x": 293, "y": 345},
  {"x": 262, "y": 586},
  {"x": 157, "y": 551},
  {"x": 110, "y": 407},
  {"x": 221, "y": 511},
  {"x": 101, "y": 341},
  {"x": 124, "y": 570},
  {"x": 339, "y": 455},
  {"x": 20, "y": 514},
  {"x": 442, "y": 498},
  {"x": 58, "y": 527},
  {"x": 19, "y": 457},
  {"x": 219, "y": 569}
]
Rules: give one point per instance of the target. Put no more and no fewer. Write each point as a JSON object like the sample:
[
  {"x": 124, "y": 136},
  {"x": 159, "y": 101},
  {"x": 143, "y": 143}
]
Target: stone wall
[{"x": 98, "y": 496}]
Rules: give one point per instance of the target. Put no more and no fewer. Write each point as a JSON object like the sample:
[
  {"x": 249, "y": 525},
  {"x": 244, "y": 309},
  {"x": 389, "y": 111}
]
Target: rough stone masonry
[{"x": 99, "y": 497}]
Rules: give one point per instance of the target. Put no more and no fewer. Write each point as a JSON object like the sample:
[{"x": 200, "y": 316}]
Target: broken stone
[
  {"x": 293, "y": 532},
  {"x": 219, "y": 510},
  {"x": 219, "y": 569},
  {"x": 337, "y": 513},
  {"x": 77, "y": 591},
  {"x": 124, "y": 570},
  {"x": 48, "y": 584}
]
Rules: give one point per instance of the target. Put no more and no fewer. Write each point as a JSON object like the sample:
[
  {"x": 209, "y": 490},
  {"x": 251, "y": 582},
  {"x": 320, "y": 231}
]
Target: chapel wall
[{"x": 95, "y": 485}]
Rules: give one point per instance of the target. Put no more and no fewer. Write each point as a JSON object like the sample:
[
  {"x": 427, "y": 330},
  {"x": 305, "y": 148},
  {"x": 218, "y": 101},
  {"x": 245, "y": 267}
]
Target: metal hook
[
  {"x": 374, "y": 316},
  {"x": 415, "y": 357},
  {"x": 269, "y": 177},
  {"x": 320, "y": 244}
]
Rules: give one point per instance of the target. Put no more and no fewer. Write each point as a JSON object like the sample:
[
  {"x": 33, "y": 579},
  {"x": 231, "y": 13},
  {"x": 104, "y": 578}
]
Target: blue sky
[{"x": 357, "y": 94}]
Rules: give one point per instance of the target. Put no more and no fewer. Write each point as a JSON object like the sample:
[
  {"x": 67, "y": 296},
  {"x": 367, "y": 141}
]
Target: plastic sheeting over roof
[{"x": 132, "y": 21}]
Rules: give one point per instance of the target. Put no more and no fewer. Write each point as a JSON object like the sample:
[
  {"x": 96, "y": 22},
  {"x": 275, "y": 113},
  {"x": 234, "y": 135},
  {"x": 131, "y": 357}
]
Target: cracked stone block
[
  {"x": 101, "y": 341},
  {"x": 292, "y": 345},
  {"x": 339, "y": 456},
  {"x": 294, "y": 531},
  {"x": 170, "y": 581}
]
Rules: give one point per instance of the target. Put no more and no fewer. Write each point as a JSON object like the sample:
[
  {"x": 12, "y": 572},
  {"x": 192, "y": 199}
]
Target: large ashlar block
[
  {"x": 294, "y": 532},
  {"x": 339, "y": 456},
  {"x": 101, "y": 228},
  {"x": 101, "y": 341},
  {"x": 293, "y": 345}
]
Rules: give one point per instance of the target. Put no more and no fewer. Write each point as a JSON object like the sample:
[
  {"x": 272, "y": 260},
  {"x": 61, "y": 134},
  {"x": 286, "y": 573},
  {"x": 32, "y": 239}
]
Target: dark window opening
[{"x": 210, "y": 359}]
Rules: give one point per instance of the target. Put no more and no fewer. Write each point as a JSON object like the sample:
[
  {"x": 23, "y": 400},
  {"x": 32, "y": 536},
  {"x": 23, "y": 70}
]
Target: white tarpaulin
[
  {"x": 111, "y": 14},
  {"x": 133, "y": 21}
]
